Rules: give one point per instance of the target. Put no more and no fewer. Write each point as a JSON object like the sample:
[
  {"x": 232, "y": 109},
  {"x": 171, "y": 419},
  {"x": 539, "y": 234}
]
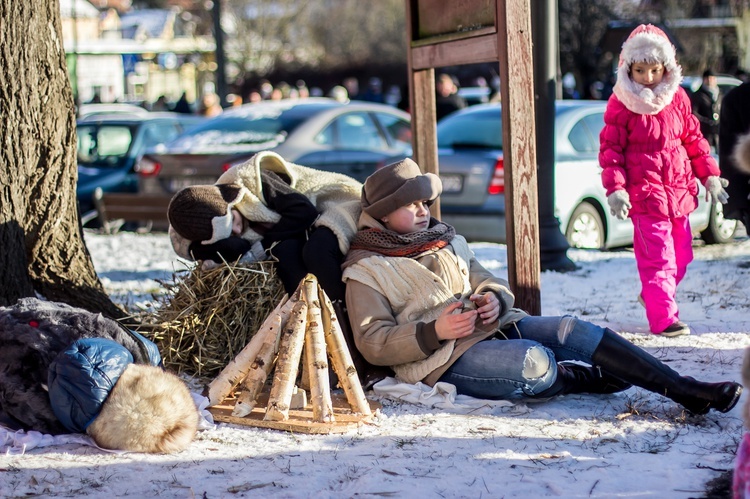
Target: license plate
[
  {"x": 175, "y": 184},
  {"x": 452, "y": 183}
]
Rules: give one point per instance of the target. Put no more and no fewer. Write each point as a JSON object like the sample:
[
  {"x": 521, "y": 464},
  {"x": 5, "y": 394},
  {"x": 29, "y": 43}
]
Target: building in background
[{"x": 135, "y": 56}]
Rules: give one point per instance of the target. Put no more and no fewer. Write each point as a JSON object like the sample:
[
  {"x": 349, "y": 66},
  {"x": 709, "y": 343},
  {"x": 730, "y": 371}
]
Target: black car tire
[
  {"x": 720, "y": 230},
  {"x": 585, "y": 218}
]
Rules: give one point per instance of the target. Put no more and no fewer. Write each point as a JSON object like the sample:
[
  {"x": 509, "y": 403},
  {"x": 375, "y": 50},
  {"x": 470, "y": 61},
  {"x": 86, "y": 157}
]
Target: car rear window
[
  {"x": 103, "y": 145},
  {"x": 471, "y": 130},
  {"x": 238, "y": 132}
]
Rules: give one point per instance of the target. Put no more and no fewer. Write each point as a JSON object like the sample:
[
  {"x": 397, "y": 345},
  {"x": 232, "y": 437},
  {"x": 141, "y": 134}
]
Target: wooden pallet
[{"x": 300, "y": 421}]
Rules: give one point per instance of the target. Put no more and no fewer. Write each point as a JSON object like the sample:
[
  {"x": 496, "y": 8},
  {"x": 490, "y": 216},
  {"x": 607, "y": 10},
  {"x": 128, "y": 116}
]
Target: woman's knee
[{"x": 537, "y": 362}]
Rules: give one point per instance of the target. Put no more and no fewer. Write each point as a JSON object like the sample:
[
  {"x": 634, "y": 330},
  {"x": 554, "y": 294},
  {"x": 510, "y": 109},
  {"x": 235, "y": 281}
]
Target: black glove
[{"x": 227, "y": 250}]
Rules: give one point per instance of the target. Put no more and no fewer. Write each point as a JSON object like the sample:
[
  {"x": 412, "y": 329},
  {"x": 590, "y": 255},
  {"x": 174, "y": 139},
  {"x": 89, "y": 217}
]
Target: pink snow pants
[{"x": 663, "y": 250}]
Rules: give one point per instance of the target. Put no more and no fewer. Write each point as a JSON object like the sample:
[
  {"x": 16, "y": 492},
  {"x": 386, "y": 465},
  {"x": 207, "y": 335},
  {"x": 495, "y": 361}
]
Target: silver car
[
  {"x": 471, "y": 166},
  {"x": 353, "y": 139}
]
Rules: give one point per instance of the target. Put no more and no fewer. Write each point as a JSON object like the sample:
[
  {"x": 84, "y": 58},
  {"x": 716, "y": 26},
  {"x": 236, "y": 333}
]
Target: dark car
[
  {"x": 471, "y": 166},
  {"x": 353, "y": 139},
  {"x": 110, "y": 144}
]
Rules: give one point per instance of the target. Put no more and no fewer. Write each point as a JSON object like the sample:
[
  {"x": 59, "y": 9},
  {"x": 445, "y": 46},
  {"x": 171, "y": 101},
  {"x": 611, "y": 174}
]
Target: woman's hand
[
  {"x": 488, "y": 306},
  {"x": 451, "y": 325}
]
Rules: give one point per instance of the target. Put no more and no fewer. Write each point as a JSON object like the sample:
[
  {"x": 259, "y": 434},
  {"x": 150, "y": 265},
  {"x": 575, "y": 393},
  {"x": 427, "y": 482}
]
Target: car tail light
[
  {"x": 226, "y": 166},
  {"x": 147, "y": 168},
  {"x": 497, "y": 182}
]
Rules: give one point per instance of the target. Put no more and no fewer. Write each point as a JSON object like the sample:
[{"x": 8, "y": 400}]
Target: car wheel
[
  {"x": 585, "y": 228},
  {"x": 720, "y": 230}
]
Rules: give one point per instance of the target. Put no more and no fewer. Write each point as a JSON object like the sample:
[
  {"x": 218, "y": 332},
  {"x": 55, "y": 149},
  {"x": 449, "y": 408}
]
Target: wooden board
[{"x": 300, "y": 421}]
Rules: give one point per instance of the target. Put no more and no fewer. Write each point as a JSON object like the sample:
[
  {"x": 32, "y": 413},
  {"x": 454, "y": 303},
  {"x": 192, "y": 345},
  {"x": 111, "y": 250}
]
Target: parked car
[
  {"x": 322, "y": 133},
  {"x": 109, "y": 146},
  {"x": 471, "y": 165},
  {"x": 89, "y": 110},
  {"x": 725, "y": 83},
  {"x": 475, "y": 95}
]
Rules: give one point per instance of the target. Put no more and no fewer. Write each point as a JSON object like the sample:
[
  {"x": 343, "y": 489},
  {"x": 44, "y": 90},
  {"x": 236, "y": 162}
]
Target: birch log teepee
[
  {"x": 301, "y": 330},
  {"x": 287, "y": 364},
  {"x": 236, "y": 371},
  {"x": 316, "y": 358},
  {"x": 341, "y": 358}
]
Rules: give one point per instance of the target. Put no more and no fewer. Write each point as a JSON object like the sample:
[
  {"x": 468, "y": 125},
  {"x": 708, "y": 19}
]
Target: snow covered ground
[{"x": 632, "y": 444}]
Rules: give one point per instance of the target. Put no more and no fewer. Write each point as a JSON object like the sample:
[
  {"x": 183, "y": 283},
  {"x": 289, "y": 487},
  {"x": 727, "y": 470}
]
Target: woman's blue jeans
[{"x": 495, "y": 368}]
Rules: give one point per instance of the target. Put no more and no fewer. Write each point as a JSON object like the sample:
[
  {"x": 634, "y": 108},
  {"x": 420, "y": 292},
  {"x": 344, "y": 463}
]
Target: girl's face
[
  {"x": 413, "y": 217},
  {"x": 647, "y": 74},
  {"x": 238, "y": 223}
]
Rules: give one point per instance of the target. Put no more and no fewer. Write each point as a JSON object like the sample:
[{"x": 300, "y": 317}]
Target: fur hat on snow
[
  {"x": 204, "y": 212},
  {"x": 148, "y": 410},
  {"x": 397, "y": 185}
]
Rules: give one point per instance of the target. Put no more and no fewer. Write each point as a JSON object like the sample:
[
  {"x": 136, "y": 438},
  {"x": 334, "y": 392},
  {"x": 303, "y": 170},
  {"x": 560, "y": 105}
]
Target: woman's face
[
  {"x": 238, "y": 223},
  {"x": 413, "y": 217},
  {"x": 647, "y": 74}
]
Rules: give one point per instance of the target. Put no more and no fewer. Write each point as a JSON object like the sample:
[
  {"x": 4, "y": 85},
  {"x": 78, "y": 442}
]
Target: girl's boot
[{"x": 634, "y": 365}]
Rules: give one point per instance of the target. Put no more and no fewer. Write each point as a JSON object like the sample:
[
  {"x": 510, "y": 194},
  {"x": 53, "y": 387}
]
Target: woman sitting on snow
[
  {"x": 66, "y": 370},
  {"x": 420, "y": 303}
]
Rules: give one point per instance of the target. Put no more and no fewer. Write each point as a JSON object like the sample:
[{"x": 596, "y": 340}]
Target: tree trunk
[{"x": 42, "y": 249}]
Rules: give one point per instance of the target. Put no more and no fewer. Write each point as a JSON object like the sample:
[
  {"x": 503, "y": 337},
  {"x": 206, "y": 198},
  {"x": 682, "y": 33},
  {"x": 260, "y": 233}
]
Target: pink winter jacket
[{"x": 655, "y": 157}]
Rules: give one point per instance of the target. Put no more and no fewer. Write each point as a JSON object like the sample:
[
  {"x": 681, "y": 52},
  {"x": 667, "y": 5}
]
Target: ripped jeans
[{"x": 495, "y": 368}]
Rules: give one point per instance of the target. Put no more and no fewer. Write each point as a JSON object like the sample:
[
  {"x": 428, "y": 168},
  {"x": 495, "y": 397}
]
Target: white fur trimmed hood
[{"x": 647, "y": 43}]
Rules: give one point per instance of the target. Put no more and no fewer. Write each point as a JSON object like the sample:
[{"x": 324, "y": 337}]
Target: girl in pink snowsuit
[{"x": 651, "y": 152}]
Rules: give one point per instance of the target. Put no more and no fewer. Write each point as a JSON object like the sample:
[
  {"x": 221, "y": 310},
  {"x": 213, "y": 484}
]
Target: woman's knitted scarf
[{"x": 388, "y": 243}]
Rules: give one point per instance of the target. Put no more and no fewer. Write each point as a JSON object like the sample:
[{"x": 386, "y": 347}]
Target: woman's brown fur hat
[
  {"x": 148, "y": 410},
  {"x": 397, "y": 185}
]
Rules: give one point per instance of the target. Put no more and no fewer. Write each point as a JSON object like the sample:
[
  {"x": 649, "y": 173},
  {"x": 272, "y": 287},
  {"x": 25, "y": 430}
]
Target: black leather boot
[
  {"x": 576, "y": 378},
  {"x": 634, "y": 365}
]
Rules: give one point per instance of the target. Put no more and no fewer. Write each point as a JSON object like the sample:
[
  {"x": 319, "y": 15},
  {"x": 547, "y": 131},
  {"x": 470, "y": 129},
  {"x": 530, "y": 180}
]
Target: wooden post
[
  {"x": 519, "y": 152},
  {"x": 442, "y": 34}
]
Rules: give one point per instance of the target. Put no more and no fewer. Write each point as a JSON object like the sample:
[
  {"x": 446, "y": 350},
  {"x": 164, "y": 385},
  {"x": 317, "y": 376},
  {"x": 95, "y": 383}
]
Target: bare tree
[
  {"x": 42, "y": 249},
  {"x": 265, "y": 35},
  {"x": 352, "y": 33}
]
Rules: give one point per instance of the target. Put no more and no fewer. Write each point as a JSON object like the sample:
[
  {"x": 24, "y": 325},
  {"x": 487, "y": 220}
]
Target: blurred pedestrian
[
  {"x": 447, "y": 99},
  {"x": 339, "y": 93},
  {"x": 351, "y": 84},
  {"x": 182, "y": 105},
  {"x": 254, "y": 96},
  {"x": 374, "y": 91},
  {"x": 160, "y": 104},
  {"x": 706, "y": 103},
  {"x": 210, "y": 105},
  {"x": 734, "y": 151},
  {"x": 302, "y": 91},
  {"x": 234, "y": 100}
]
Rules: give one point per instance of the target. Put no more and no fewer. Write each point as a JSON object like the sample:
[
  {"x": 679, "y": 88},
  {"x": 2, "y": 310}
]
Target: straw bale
[{"x": 208, "y": 316}]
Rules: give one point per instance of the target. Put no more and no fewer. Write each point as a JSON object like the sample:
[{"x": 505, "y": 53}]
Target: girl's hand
[
  {"x": 451, "y": 325},
  {"x": 488, "y": 306}
]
